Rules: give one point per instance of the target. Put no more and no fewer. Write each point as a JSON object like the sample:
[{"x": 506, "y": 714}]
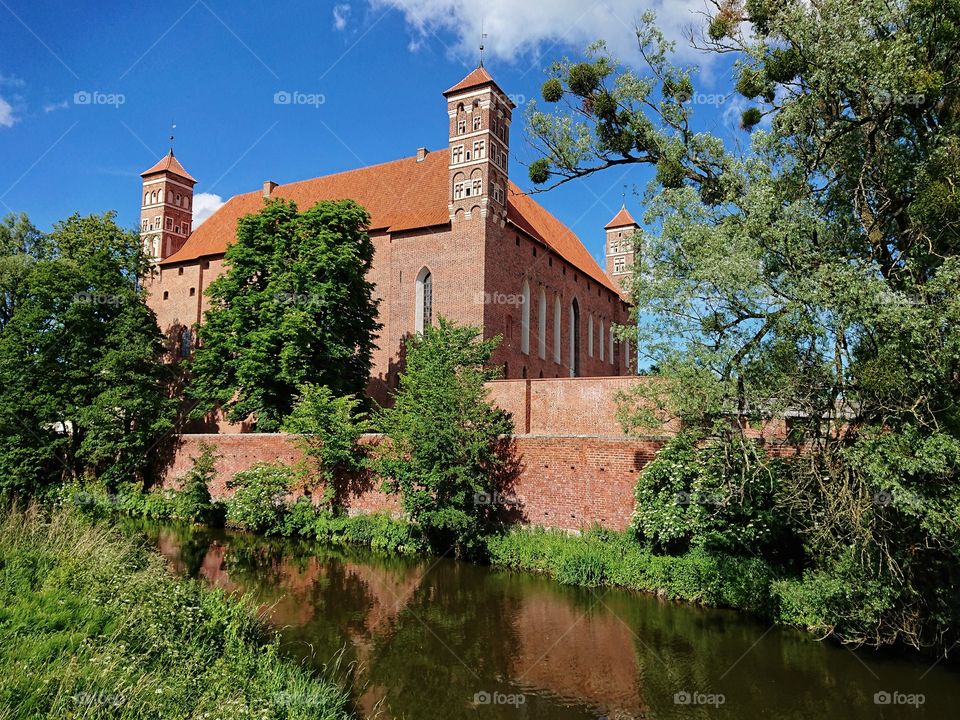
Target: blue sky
[{"x": 88, "y": 92}]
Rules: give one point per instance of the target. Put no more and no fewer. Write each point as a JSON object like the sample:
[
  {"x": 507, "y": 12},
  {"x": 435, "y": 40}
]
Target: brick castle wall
[{"x": 571, "y": 482}]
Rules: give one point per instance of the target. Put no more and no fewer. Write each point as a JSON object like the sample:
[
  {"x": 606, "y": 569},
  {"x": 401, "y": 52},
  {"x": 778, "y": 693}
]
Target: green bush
[
  {"x": 194, "y": 503},
  {"x": 257, "y": 503}
]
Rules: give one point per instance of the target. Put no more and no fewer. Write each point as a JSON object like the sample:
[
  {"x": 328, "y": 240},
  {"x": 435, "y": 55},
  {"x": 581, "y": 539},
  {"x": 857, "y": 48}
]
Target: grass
[
  {"x": 603, "y": 557},
  {"x": 92, "y": 625}
]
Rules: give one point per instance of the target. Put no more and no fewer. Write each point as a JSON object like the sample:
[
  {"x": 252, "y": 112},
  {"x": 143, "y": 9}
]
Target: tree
[
  {"x": 813, "y": 273},
  {"x": 82, "y": 382},
  {"x": 294, "y": 307},
  {"x": 444, "y": 454}
]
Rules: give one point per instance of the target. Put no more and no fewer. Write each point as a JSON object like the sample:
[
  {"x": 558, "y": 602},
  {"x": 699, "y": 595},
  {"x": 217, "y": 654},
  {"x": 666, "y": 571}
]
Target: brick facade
[{"x": 488, "y": 249}]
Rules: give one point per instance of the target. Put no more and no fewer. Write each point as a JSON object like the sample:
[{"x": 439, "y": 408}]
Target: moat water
[{"x": 436, "y": 639}]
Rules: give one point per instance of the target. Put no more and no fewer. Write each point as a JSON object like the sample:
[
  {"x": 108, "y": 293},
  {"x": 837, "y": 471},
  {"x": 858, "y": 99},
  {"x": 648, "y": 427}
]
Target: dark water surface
[{"x": 437, "y": 639}]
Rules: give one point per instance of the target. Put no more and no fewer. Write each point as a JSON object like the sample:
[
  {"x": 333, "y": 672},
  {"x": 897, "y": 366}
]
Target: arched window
[
  {"x": 459, "y": 186},
  {"x": 602, "y": 342},
  {"x": 590, "y": 335},
  {"x": 146, "y": 198},
  {"x": 556, "y": 329},
  {"x": 476, "y": 122},
  {"x": 574, "y": 338},
  {"x": 169, "y": 196},
  {"x": 186, "y": 341},
  {"x": 153, "y": 198},
  {"x": 611, "y": 343},
  {"x": 424, "y": 313},
  {"x": 186, "y": 203},
  {"x": 525, "y": 319},
  {"x": 476, "y": 183},
  {"x": 542, "y": 326}
]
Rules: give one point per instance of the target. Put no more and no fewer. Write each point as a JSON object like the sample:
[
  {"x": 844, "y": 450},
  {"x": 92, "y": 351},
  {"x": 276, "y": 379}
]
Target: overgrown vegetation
[
  {"x": 293, "y": 308},
  {"x": 92, "y": 625},
  {"x": 811, "y": 275},
  {"x": 82, "y": 382},
  {"x": 445, "y": 453}
]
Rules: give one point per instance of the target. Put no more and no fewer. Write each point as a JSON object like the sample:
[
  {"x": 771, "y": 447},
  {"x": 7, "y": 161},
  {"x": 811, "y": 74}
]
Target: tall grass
[{"x": 92, "y": 625}]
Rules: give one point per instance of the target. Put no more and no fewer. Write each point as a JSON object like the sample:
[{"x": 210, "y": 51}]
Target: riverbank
[{"x": 94, "y": 625}]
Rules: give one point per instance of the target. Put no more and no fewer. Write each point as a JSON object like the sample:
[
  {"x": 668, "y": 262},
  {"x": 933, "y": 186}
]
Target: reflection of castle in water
[{"x": 546, "y": 645}]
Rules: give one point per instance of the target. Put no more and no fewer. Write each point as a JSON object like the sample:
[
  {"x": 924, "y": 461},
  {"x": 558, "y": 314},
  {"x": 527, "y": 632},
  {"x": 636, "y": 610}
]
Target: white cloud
[
  {"x": 205, "y": 205},
  {"x": 53, "y": 107},
  {"x": 519, "y": 30},
  {"x": 340, "y": 15},
  {"x": 7, "y": 118}
]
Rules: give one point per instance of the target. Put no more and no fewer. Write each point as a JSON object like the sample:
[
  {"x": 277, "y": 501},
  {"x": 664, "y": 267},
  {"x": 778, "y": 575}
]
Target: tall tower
[
  {"x": 619, "y": 247},
  {"x": 166, "y": 208},
  {"x": 480, "y": 114}
]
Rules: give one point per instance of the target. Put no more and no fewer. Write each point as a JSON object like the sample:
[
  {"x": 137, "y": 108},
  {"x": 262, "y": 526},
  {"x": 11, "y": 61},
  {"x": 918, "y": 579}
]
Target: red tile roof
[
  {"x": 478, "y": 77},
  {"x": 399, "y": 195},
  {"x": 168, "y": 163},
  {"x": 621, "y": 219}
]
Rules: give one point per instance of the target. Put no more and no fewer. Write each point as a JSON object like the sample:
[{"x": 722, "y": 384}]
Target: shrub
[
  {"x": 257, "y": 503},
  {"x": 194, "y": 503},
  {"x": 329, "y": 428}
]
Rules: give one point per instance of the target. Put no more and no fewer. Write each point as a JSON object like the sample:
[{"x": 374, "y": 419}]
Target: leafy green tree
[
  {"x": 329, "y": 428},
  {"x": 294, "y": 307},
  {"x": 444, "y": 456},
  {"x": 194, "y": 501},
  {"x": 811, "y": 275},
  {"x": 82, "y": 379}
]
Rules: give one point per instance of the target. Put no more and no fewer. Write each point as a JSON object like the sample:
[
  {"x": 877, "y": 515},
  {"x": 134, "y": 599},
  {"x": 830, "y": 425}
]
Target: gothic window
[
  {"x": 476, "y": 122},
  {"x": 619, "y": 265},
  {"x": 146, "y": 198},
  {"x": 143, "y": 225},
  {"x": 574, "y": 338},
  {"x": 169, "y": 223},
  {"x": 476, "y": 183},
  {"x": 556, "y": 329},
  {"x": 498, "y": 193},
  {"x": 156, "y": 222},
  {"x": 186, "y": 340},
  {"x": 169, "y": 196},
  {"x": 459, "y": 186},
  {"x": 479, "y": 149},
  {"x": 542, "y": 326},
  {"x": 503, "y": 159},
  {"x": 614, "y": 245},
  {"x": 458, "y": 154},
  {"x": 626, "y": 354},
  {"x": 186, "y": 203},
  {"x": 590, "y": 335},
  {"x": 611, "y": 343},
  {"x": 602, "y": 342},
  {"x": 525, "y": 319},
  {"x": 461, "y": 126},
  {"x": 424, "y": 310},
  {"x": 153, "y": 198}
]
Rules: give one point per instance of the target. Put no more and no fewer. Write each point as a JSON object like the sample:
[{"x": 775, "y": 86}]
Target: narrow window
[
  {"x": 476, "y": 122},
  {"x": 193, "y": 291},
  {"x": 542, "y": 326},
  {"x": 611, "y": 343},
  {"x": 424, "y": 310},
  {"x": 602, "y": 342},
  {"x": 574, "y": 339},
  {"x": 556, "y": 329},
  {"x": 186, "y": 341},
  {"x": 590, "y": 335},
  {"x": 525, "y": 319}
]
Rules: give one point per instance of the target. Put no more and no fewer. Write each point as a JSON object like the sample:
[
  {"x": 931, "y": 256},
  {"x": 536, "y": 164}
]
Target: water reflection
[{"x": 440, "y": 639}]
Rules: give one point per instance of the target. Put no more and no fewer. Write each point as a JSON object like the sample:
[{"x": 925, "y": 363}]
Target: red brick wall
[{"x": 562, "y": 482}]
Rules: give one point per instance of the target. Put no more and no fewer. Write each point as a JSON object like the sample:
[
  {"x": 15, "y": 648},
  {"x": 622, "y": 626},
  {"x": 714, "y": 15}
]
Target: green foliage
[
  {"x": 257, "y": 503},
  {"x": 294, "y": 308},
  {"x": 94, "y": 626},
  {"x": 714, "y": 495},
  {"x": 329, "y": 428},
  {"x": 600, "y": 557},
  {"x": 445, "y": 435},
  {"x": 195, "y": 503},
  {"x": 552, "y": 90},
  {"x": 539, "y": 171},
  {"x": 809, "y": 277},
  {"x": 82, "y": 382}
]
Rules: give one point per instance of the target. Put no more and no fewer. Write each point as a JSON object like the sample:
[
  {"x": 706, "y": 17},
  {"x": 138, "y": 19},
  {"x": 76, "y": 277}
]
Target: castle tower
[
  {"x": 166, "y": 208},
  {"x": 480, "y": 114},
  {"x": 619, "y": 246}
]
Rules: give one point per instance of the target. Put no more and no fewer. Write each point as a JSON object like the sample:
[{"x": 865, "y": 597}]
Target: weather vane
[
  {"x": 173, "y": 126},
  {"x": 483, "y": 36}
]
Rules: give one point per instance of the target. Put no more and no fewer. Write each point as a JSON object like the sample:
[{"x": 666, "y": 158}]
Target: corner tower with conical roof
[
  {"x": 480, "y": 114},
  {"x": 620, "y": 248},
  {"x": 166, "y": 210}
]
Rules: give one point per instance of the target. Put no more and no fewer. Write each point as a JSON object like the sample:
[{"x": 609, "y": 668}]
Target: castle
[{"x": 452, "y": 236}]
